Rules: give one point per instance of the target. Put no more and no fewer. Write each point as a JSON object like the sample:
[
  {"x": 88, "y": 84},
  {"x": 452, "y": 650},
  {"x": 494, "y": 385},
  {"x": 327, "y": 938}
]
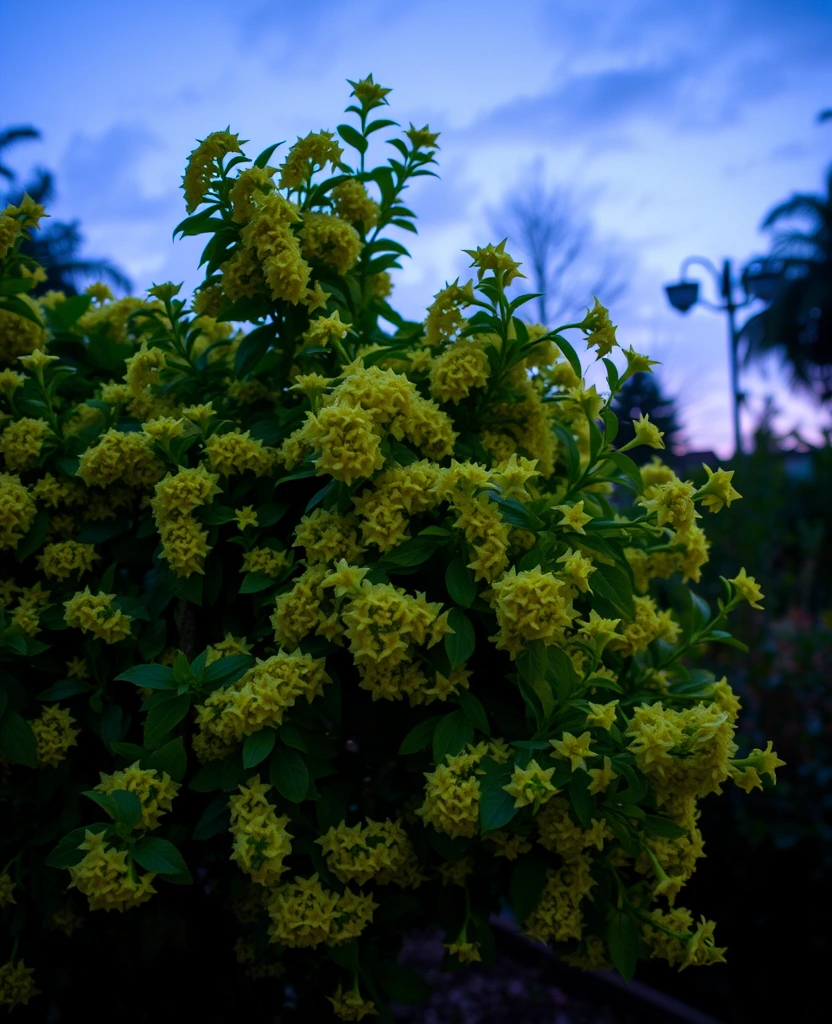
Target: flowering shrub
[{"x": 336, "y": 624}]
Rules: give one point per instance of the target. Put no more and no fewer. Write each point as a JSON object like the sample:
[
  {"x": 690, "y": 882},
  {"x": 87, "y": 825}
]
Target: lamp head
[{"x": 683, "y": 295}]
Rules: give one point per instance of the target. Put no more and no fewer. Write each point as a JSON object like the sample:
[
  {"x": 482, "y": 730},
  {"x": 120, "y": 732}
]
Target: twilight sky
[{"x": 685, "y": 123}]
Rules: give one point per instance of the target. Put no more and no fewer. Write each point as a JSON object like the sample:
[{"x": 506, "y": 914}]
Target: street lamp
[{"x": 685, "y": 294}]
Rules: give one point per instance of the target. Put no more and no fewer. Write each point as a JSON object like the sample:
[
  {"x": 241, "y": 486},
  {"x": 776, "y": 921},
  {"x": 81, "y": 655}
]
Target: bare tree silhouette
[{"x": 550, "y": 228}]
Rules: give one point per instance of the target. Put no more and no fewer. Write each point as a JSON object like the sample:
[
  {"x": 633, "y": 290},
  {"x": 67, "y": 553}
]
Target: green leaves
[
  {"x": 257, "y": 747},
  {"x": 452, "y": 734},
  {"x": 151, "y": 677},
  {"x": 496, "y": 806},
  {"x": 623, "y": 943},
  {"x": 17, "y": 741},
  {"x": 420, "y": 735},
  {"x": 459, "y": 645},
  {"x": 164, "y": 717},
  {"x": 160, "y": 856},
  {"x": 461, "y": 583},
  {"x": 121, "y": 805},
  {"x": 352, "y": 137},
  {"x": 289, "y": 774}
]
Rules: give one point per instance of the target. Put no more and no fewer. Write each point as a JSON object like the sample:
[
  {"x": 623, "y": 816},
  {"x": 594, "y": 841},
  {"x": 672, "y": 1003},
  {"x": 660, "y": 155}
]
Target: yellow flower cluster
[
  {"x": 383, "y": 624},
  {"x": 237, "y": 452},
  {"x": 63, "y": 560},
  {"x": 558, "y": 916},
  {"x": 106, "y": 877},
  {"x": 396, "y": 495},
  {"x": 54, "y": 735},
  {"x": 683, "y": 753},
  {"x": 378, "y": 851},
  {"x": 673, "y": 937},
  {"x": 327, "y": 536},
  {"x": 457, "y": 370},
  {"x": 265, "y": 560},
  {"x": 350, "y": 1005},
  {"x": 258, "y": 701},
  {"x": 17, "y": 984},
  {"x": 452, "y": 794},
  {"x": 120, "y": 456},
  {"x": 353, "y": 204},
  {"x": 313, "y": 152},
  {"x": 261, "y": 842},
  {"x": 94, "y": 613},
  {"x": 303, "y": 913},
  {"x": 18, "y": 335},
  {"x": 184, "y": 541},
  {"x": 530, "y": 605},
  {"x": 360, "y": 412},
  {"x": 22, "y": 441},
  {"x": 154, "y": 789},
  {"x": 330, "y": 240},
  {"x": 648, "y": 625},
  {"x": 17, "y": 510},
  {"x": 202, "y": 164}
]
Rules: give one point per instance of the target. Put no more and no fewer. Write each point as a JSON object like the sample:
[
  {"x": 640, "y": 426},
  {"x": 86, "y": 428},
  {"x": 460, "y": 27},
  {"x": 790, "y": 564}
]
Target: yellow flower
[
  {"x": 324, "y": 329},
  {"x": 17, "y": 510},
  {"x": 602, "y": 715},
  {"x": 330, "y": 240},
  {"x": 345, "y": 579},
  {"x": 351, "y": 1005},
  {"x": 718, "y": 491},
  {"x": 601, "y": 777},
  {"x": 495, "y": 259},
  {"x": 353, "y": 204},
  {"x": 575, "y": 748},
  {"x": 378, "y": 852},
  {"x": 245, "y": 517},
  {"x": 746, "y": 587},
  {"x": 646, "y": 433},
  {"x": 261, "y": 842},
  {"x": 17, "y": 986},
  {"x": 237, "y": 452},
  {"x": 574, "y": 517},
  {"x": 366, "y": 90},
  {"x": 308, "y": 155},
  {"x": 531, "y": 605},
  {"x": 104, "y": 876},
  {"x": 422, "y": 138},
  {"x": 265, "y": 560},
  {"x": 67, "y": 558},
  {"x": 22, "y": 442},
  {"x": 531, "y": 785}
]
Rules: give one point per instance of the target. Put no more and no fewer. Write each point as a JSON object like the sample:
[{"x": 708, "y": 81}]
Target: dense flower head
[
  {"x": 531, "y": 605},
  {"x": 304, "y": 913},
  {"x": 452, "y": 794},
  {"x": 202, "y": 164},
  {"x": 66, "y": 559},
  {"x": 21, "y": 443},
  {"x": 154, "y": 789},
  {"x": 107, "y": 879},
  {"x": 54, "y": 735},
  {"x": 17, "y": 984},
  {"x": 378, "y": 851},
  {"x": 123, "y": 456},
  {"x": 237, "y": 452},
  {"x": 261, "y": 842},
  {"x": 96, "y": 614},
  {"x": 17, "y": 510}
]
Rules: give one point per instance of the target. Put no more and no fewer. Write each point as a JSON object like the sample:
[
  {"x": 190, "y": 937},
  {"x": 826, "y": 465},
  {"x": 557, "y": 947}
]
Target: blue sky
[{"x": 685, "y": 123}]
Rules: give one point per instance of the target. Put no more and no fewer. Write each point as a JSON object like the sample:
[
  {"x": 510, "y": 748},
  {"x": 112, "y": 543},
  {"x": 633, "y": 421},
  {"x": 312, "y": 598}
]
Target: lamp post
[{"x": 685, "y": 294}]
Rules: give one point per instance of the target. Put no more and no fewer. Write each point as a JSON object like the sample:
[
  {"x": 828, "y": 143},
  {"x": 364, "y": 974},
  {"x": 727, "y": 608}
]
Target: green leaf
[
  {"x": 289, "y": 774},
  {"x": 610, "y": 425},
  {"x": 528, "y": 880},
  {"x": 420, "y": 735},
  {"x": 66, "y": 854},
  {"x": 160, "y": 856},
  {"x": 451, "y": 735},
  {"x": 258, "y": 746},
  {"x": 582, "y": 802},
  {"x": 352, "y": 137},
  {"x": 225, "y": 671},
  {"x": 532, "y": 665},
  {"x": 345, "y": 956},
  {"x": 215, "y": 514},
  {"x": 254, "y": 582},
  {"x": 459, "y": 645},
  {"x": 416, "y": 550},
  {"x": 657, "y": 825},
  {"x": 461, "y": 583},
  {"x": 291, "y": 736},
  {"x": 613, "y": 584},
  {"x": 623, "y": 943},
  {"x": 65, "y": 688},
  {"x": 128, "y": 807},
  {"x": 719, "y": 636},
  {"x": 252, "y": 349},
  {"x": 628, "y": 468},
  {"x": 132, "y": 751},
  {"x": 170, "y": 758},
  {"x": 165, "y": 717},
  {"x": 152, "y": 677},
  {"x": 496, "y": 806},
  {"x": 569, "y": 352},
  {"x": 216, "y": 818},
  {"x": 474, "y": 711},
  {"x": 17, "y": 741},
  {"x": 209, "y": 777},
  {"x": 562, "y": 672},
  {"x": 35, "y": 537}
]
